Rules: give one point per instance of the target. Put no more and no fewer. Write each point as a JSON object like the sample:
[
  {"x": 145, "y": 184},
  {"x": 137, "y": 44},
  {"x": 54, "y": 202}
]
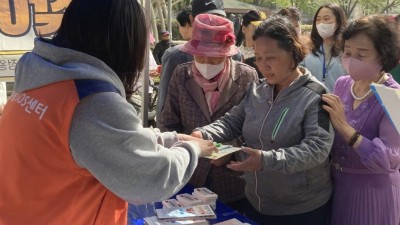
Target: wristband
[{"x": 354, "y": 138}]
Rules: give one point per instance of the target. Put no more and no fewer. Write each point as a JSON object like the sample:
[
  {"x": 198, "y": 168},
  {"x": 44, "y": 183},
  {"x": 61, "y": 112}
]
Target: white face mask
[
  {"x": 326, "y": 30},
  {"x": 209, "y": 71}
]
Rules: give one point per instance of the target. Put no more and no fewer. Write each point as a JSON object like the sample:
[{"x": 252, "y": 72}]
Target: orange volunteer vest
[{"x": 40, "y": 182}]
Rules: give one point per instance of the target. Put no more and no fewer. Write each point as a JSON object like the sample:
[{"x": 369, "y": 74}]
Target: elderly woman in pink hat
[{"x": 202, "y": 91}]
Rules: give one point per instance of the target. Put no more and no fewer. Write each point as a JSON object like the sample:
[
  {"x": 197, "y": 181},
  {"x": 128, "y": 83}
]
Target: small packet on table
[
  {"x": 188, "y": 200},
  {"x": 171, "y": 203}
]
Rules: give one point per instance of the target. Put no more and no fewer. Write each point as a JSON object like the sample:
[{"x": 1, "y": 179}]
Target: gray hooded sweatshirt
[
  {"x": 295, "y": 136},
  {"x": 106, "y": 136}
]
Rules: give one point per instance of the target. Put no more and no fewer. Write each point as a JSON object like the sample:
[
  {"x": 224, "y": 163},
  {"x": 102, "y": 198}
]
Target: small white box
[
  {"x": 212, "y": 205},
  {"x": 186, "y": 213},
  {"x": 171, "y": 203},
  {"x": 188, "y": 200},
  {"x": 205, "y": 194}
]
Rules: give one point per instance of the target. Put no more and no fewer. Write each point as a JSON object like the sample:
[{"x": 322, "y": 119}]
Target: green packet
[{"x": 217, "y": 144}]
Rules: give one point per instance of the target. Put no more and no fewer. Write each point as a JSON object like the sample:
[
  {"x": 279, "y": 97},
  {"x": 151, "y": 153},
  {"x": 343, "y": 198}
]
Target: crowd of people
[{"x": 317, "y": 146}]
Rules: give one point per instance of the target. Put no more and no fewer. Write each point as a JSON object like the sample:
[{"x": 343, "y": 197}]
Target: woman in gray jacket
[{"x": 287, "y": 132}]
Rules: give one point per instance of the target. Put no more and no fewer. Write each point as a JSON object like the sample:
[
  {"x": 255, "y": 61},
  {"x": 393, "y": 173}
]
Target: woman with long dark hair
[
  {"x": 244, "y": 40},
  {"x": 324, "y": 59},
  {"x": 73, "y": 149}
]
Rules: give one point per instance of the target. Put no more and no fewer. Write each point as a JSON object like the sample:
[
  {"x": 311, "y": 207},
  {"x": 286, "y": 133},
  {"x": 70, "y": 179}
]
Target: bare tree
[
  {"x": 308, "y": 7},
  {"x": 383, "y": 6},
  {"x": 256, "y": 2},
  {"x": 348, "y": 6}
]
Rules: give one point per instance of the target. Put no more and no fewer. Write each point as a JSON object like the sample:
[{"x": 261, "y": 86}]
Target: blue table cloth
[{"x": 223, "y": 211}]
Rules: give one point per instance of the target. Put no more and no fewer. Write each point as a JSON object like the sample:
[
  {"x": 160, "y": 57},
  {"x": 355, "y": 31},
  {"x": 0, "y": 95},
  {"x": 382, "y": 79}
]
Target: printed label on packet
[
  {"x": 223, "y": 150},
  {"x": 205, "y": 194},
  {"x": 171, "y": 203},
  {"x": 188, "y": 200},
  {"x": 204, "y": 191}
]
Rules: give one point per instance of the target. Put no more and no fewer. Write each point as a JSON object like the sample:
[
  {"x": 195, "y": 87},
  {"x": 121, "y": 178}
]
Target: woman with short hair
[
  {"x": 287, "y": 133},
  {"x": 366, "y": 150}
]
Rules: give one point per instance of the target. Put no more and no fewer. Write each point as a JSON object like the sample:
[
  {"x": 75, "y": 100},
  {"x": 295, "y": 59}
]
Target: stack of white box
[
  {"x": 188, "y": 200},
  {"x": 200, "y": 196},
  {"x": 206, "y": 196}
]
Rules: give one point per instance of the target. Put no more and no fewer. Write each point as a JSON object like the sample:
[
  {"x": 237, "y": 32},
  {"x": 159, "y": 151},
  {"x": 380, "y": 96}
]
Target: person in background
[
  {"x": 174, "y": 56},
  {"x": 366, "y": 150},
  {"x": 73, "y": 150},
  {"x": 250, "y": 21},
  {"x": 137, "y": 96},
  {"x": 162, "y": 46},
  {"x": 232, "y": 19},
  {"x": 3, "y": 96},
  {"x": 287, "y": 133},
  {"x": 236, "y": 23},
  {"x": 244, "y": 41},
  {"x": 152, "y": 70},
  {"x": 324, "y": 59},
  {"x": 204, "y": 90},
  {"x": 395, "y": 72},
  {"x": 293, "y": 14},
  {"x": 184, "y": 19},
  {"x": 152, "y": 61}
]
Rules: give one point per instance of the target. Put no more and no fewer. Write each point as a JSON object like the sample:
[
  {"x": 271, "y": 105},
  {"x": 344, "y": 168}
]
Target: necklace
[{"x": 368, "y": 92}]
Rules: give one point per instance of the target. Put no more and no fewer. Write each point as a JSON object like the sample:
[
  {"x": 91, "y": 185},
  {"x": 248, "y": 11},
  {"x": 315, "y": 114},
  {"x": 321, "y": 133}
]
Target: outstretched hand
[
  {"x": 207, "y": 147},
  {"x": 185, "y": 137},
  {"x": 252, "y": 163},
  {"x": 197, "y": 134}
]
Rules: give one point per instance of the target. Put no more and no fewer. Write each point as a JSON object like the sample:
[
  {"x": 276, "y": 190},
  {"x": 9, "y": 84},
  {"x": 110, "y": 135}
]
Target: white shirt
[{"x": 247, "y": 52}]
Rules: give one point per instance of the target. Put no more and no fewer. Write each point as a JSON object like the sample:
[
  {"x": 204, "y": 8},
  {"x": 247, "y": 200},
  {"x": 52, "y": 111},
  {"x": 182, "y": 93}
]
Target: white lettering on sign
[{"x": 30, "y": 104}]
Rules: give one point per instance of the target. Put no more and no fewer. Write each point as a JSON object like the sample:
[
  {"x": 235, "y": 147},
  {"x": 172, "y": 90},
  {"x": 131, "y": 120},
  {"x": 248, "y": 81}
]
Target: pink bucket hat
[{"x": 212, "y": 36}]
